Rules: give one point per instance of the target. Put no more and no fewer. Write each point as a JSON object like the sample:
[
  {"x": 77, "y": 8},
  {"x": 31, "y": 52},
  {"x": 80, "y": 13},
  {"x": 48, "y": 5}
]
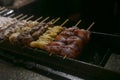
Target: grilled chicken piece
[{"x": 47, "y": 37}]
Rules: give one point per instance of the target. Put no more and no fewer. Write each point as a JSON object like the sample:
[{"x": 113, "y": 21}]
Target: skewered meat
[
  {"x": 47, "y": 37},
  {"x": 69, "y": 51},
  {"x": 13, "y": 39},
  {"x": 24, "y": 36},
  {"x": 20, "y": 26},
  {"x": 73, "y": 39},
  {"x": 85, "y": 35},
  {"x": 76, "y": 41},
  {"x": 69, "y": 42},
  {"x": 61, "y": 38},
  {"x": 41, "y": 30},
  {"x": 5, "y": 22},
  {"x": 33, "y": 34},
  {"x": 12, "y": 28},
  {"x": 54, "y": 47}
]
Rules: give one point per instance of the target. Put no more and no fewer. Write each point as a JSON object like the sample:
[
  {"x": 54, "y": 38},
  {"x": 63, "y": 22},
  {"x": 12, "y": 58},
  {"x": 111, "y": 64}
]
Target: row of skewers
[{"x": 58, "y": 40}]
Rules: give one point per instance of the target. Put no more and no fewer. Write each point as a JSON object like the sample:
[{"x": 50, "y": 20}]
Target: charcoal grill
[{"x": 89, "y": 65}]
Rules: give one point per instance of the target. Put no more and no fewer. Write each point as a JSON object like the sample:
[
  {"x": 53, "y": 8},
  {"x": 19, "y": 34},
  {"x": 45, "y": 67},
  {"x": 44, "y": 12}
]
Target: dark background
[{"x": 104, "y": 12}]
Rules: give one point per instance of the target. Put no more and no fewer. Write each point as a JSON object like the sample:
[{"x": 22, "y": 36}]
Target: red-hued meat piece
[
  {"x": 75, "y": 41},
  {"x": 69, "y": 51},
  {"x": 69, "y": 42},
  {"x": 61, "y": 38},
  {"x": 85, "y": 35},
  {"x": 54, "y": 47},
  {"x": 67, "y": 34}
]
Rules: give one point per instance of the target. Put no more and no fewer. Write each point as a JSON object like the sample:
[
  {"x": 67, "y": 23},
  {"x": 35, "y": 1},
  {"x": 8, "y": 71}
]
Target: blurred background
[{"x": 104, "y": 12}]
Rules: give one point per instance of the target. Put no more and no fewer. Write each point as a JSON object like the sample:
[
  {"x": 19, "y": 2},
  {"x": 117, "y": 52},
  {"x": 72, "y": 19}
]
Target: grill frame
[
  {"x": 71, "y": 66},
  {"x": 75, "y": 67}
]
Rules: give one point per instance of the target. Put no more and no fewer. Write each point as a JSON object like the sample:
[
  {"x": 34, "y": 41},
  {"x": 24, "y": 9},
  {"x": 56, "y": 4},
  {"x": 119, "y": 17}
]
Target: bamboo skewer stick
[
  {"x": 78, "y": 23},
  {"x": 39, "y": 18},
  {"x": 51, "y": 21},
  {"x": 2, "y": 8},
  {"x": 29, "y": 18},
  {"x": 18, "y": 16},
  {"x": 64, "y": 22},
  {"x": 3, "y": 11},
  {"x": 44, "y": 20},
  {"x": 11, "y": 15},
  {"x": 23, "y": 17},
  {"x": 65, "y": 57},
  {"x": 90, "y": 26}
]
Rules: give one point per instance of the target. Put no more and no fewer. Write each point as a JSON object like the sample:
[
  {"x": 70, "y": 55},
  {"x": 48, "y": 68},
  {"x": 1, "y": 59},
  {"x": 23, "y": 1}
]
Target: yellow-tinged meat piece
[
  {"x": 47, "y": 37},
  {"x": 32, "y": 23},
  {"x": 13, "y": 37},
  {"x": 39, "y": 44}
]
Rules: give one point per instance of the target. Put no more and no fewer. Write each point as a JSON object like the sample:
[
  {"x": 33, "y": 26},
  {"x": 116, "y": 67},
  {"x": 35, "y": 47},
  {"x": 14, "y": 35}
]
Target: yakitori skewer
[
  {"x": 46, "y": 35},
  {"x": 24, "y": 35},
  {"x": 61, "y": 25},
  {"x": 75, "y": 26}
]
